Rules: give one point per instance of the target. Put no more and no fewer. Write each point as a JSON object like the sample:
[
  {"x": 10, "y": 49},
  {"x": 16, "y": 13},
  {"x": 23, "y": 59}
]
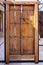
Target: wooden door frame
[{"x": 8, "y": 3}]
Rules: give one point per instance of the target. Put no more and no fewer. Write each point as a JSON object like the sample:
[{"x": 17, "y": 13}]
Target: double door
[{"x": 21, "y": 30}]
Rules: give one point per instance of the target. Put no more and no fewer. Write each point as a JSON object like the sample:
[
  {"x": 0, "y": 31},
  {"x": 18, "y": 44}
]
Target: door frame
[{"x": 35, "y": 56}]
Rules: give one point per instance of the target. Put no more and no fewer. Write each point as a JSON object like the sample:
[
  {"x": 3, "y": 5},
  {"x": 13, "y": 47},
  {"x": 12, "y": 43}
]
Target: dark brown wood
[{"x": 41, "y": 24}]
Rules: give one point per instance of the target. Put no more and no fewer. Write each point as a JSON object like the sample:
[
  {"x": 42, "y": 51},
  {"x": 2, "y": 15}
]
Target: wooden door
[{"x": 21, "y": 31}]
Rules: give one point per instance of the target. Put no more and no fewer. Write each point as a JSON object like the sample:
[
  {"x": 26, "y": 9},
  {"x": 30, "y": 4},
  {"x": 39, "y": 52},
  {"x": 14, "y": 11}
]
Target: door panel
[
  {"x": 14, "y": 14},
  {"x": 21, "y": 30},
  {"x": 14, "y": 29},
  {"x": 26, "y": 30},
  {"x": 27, "y": 45},
  {"x": 14, "y": 45}
]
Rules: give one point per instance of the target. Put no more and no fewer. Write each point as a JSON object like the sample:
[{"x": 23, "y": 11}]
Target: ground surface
[{"x": 21, "y": 64}]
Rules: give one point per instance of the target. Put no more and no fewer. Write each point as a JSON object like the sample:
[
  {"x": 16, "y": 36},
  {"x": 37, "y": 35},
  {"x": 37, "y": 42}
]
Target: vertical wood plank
[
  {"x": 36, "y": 33},
  {"x": 7, "y": 33}
]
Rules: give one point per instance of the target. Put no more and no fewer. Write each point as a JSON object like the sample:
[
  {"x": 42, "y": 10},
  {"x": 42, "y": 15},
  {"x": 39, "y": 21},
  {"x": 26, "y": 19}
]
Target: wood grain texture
[
  {"x": 22, "y": 30},
  {"x": 7, "y": 33},
  {"x": 20, "y": 3},
  {"x": 21, "y": 56},
  {"x": 36, "y": 33},
  {"x": 21, "y": 25}
]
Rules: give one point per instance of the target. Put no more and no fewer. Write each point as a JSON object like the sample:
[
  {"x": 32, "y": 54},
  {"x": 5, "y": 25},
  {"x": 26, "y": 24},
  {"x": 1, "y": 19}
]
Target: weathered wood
[
  {"x": 36, "y": 33},
  {"x": 7, "y": 33},
  {"x": 21, "y": 56},
  {"x": 20, "y": 3},
  {"x": 22, "y": 30}
]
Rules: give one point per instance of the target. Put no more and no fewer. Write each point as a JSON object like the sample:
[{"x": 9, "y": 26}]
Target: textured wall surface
[
  {"x": 1, "y": 7},
  {"x": 2, "y": 34}
]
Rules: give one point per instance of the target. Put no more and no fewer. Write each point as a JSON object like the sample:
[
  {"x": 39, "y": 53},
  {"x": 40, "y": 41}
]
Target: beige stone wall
[{"x": 2, "y": 9}]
